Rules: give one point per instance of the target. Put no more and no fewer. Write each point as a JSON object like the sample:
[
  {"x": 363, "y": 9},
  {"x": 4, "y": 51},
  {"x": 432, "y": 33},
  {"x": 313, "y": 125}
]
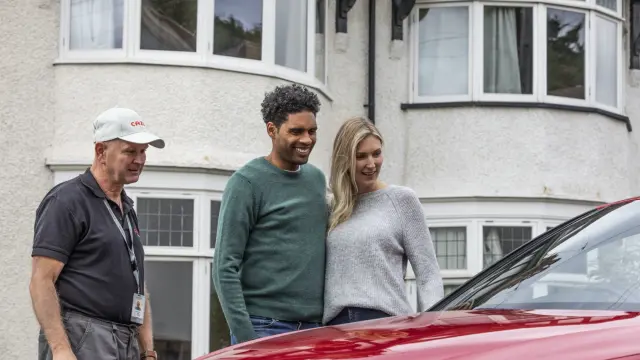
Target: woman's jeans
[{"x": 353, "y": 314}]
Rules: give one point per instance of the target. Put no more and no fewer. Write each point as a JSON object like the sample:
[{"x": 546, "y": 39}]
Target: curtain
[
  {"x": 291, "y": 34},
  {"x": 609, "y": 4},
  {"x": 501, "y": 62},
  {"x": 443, "y": 51},
  {"x": 492, "y": 248},
  {"x": 96, "y": 24}
]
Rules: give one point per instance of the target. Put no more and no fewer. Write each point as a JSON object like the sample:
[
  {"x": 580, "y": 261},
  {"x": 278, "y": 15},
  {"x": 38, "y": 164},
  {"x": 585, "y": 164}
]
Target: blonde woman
[{"x": 373, "y": 229}]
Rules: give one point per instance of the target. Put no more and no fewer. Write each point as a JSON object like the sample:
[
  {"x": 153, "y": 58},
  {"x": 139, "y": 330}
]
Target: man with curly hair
[{"x": 270, "y": 247}]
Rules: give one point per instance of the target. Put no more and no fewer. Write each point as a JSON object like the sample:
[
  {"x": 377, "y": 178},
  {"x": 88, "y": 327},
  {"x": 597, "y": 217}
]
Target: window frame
[
  {"x": 196, "y": 293},
  {"x": 190, "y": 251},
  {"x": 206, "y": 244},
  {"x": 476, "y": 53},
  {"x": 415, "y": 52},
  {"x": 456, "y": 273},
  {"x": 478, "y": 76},
  {"x": 203, "y": 57},
  {"x": 482, "y": 223}
]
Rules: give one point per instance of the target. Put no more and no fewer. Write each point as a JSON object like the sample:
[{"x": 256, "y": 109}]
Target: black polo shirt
[{"x": 73, "y": 226}]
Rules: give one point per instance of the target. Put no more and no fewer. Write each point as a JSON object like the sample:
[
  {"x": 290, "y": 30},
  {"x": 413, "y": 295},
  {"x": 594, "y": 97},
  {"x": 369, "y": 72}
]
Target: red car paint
[{"x": 471, "y": 335}]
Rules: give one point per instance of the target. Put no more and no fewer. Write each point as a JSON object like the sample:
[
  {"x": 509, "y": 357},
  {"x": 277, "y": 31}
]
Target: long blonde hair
[{"x": 343, "y": 166}]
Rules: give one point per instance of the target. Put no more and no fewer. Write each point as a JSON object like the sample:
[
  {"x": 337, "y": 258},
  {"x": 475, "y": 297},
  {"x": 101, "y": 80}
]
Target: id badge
[{"x": 137, "y": 309}]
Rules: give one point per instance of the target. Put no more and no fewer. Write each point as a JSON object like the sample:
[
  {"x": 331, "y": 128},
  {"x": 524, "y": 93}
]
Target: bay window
[
  {"x": 565, "y": 52},
  {"x": 281, "y": 38}
]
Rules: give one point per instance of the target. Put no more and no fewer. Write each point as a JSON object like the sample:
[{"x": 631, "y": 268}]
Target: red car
[{"x": 571, "y": 293}]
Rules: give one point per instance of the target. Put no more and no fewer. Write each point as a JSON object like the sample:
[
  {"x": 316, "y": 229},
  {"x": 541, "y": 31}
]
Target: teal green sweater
[{"x": 270, "y": 248}]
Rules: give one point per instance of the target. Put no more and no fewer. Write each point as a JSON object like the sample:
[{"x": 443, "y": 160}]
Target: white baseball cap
[{"x": 124, "y": 124}]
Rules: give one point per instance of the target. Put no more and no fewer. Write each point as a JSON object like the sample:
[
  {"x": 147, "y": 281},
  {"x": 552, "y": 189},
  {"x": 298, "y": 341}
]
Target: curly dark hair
[{"x": 288, "y": 99}]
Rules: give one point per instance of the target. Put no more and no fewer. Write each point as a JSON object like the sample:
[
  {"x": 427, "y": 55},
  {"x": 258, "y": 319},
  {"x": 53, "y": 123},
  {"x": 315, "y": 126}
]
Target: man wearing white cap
[{"x": 87, "y": 283}]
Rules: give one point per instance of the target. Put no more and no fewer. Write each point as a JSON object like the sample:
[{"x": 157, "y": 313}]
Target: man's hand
[{"x": 66, "y": 354}]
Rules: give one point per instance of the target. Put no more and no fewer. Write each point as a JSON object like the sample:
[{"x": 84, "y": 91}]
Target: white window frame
[
  {"x": 203, "y": 57},
  {"x": 415, "y": 52},
  {"x": 588, "y": 65},
  {"x": 192, "y": 251},
  {"x": 478, "y": 76},
  {"x": 620, "y": 61},
  {"x": 476, "y": 52},
  {"x": 470, "y": 247},
  {"x": 198, "y": 304},
  {"x": 206, "y": 245},
  {"x": 482, "y": 223}
]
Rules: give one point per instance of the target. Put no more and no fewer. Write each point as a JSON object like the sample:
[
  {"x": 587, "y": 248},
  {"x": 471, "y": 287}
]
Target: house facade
[{"x": 506, "y": 118}]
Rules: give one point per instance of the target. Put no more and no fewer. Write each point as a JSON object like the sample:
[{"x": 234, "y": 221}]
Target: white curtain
[
  {"x": 492, "y": 247},
  {"x": 291, "y": 34},
  {"x": 443, "y": 51},
  {"x": 501, "y": 63},
  {"x": 606, "y": 67},
  {"x": 96, "y": 24},
  {"x": 609, "y": 4}
]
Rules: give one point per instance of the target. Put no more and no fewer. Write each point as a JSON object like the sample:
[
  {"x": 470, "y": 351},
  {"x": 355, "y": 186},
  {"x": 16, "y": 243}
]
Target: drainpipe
[{"x": 371, "y": 107}]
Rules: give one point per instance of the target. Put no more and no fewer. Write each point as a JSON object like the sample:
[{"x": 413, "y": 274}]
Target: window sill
[
  {"x": 584, "y": 109},
  {"x": 235, "y": 65}
]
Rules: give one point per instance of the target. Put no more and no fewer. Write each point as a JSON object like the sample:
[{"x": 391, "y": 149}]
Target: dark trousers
[
  {"x": 353, "y": 314},
  {"x": 93, "y": 339},
  {"x": 266, "y": 327}
]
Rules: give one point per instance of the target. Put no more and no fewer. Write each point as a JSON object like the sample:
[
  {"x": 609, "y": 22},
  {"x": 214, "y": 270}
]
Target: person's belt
[{"x": 66, "y": 314}]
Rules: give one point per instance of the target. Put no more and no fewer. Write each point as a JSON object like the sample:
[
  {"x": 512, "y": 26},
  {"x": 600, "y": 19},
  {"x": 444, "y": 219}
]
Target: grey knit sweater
[{"x": 367, "y": 256}]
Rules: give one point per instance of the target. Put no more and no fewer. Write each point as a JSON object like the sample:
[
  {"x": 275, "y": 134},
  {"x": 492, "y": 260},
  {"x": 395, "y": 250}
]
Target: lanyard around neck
[{"x": 132, "y": 255}]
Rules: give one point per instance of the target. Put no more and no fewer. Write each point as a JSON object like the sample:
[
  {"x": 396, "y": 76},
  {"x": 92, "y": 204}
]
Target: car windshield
[{"x": 591, "y": 262}]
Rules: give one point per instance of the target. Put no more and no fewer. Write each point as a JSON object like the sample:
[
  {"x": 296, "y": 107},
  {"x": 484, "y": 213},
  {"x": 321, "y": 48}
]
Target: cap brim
[{"x": 144, "y": 138}]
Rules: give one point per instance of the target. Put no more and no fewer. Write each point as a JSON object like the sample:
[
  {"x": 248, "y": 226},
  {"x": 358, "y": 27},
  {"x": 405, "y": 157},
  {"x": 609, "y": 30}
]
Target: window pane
[
  {"x": 320, "y": 40},
  {"x": 508, "y": 50},
  {"x": 219, "y": 336},
  {"x": 166, "y": 222},
  {"x": 606, "y": 62},
  {"x": 169, "y": 25},
  {"x": 215, "y": 211},
  {"x": 565, "y": 53},
  {"x": 609, "y": 4},
  {"x": 237, "y": 29},
  {"x": 499, "y": 241},
  {"x": 448, "y": 289},
  {"x": 443, "y": 58},
  {"x": 96, "y": 24},
  {"x": 291, "y": 34},
  {"x": 635, "y": 34},
  {"x": 171, "y": 286},
  {"x": 451, "y": 245}
]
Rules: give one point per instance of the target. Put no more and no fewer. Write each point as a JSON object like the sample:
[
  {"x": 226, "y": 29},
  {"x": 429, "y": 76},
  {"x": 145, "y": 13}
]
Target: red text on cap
[{"x": 137, "y": 123}]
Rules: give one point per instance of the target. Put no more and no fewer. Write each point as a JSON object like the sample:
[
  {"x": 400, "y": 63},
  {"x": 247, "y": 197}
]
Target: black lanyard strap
[{"x": 132, "y": 254}]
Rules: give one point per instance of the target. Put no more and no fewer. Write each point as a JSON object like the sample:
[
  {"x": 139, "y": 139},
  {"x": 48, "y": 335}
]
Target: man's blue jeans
[{"x": 266, "y": 327}]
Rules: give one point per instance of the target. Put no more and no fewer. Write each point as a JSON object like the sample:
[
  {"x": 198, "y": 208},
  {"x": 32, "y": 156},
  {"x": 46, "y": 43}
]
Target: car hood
[{"x": 469, "y": 335}]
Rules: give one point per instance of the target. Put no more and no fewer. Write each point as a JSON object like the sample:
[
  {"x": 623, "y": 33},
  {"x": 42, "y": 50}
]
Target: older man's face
[{"x": 124, "y": 161}]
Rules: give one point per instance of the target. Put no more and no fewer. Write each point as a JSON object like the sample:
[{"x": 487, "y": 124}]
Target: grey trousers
[{"x": 95, "y": 339}]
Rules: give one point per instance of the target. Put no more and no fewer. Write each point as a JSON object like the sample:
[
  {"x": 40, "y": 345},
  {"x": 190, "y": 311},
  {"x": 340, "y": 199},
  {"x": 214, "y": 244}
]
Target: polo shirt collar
[{"x": 90, "y": 182}]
